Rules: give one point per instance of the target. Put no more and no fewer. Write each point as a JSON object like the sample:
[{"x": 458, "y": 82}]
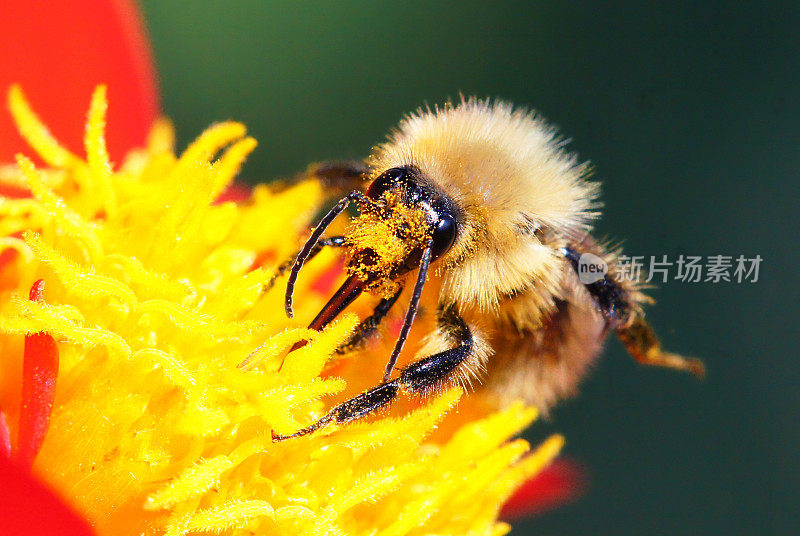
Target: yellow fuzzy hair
[{"x": 507, "y": 170}]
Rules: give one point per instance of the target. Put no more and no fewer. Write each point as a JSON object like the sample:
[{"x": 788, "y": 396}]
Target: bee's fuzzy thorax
[
  {"x": 508, "y": 173},
  {"x": 504, "y": 159}
]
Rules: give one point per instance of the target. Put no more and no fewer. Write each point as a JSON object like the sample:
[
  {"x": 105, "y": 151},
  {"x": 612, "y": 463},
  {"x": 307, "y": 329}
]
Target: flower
[{"x": 155, "y": 292}]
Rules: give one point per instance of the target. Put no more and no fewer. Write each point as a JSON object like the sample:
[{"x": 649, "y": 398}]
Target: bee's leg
[
  {"x": 608, "y": 294},
  {"x": 336, "y": 177},
  {"x": 333, "y": 241},
  {"x": 641, "y": 342},
  {"x": 623, "y": 314},
  {"x": 349, "y": 410},
  {"x": 367, "y": 327},
  {"x": 339, "y": 177},
  {"x": 420, "y": 378},
  {"x": 458, "y": 364}
]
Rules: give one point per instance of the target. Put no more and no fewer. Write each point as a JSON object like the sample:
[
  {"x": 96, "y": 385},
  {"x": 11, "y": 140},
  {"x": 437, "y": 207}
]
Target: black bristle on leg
[
  {"x": 609, "y": 295},
  {"x": 365, "y": 403}
]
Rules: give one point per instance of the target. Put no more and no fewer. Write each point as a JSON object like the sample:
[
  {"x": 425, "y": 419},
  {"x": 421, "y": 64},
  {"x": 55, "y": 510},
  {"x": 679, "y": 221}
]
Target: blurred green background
[{"x": 690, "y": 114}]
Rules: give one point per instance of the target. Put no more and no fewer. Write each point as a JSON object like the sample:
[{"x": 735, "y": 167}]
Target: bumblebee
[{"x": 487, "y": 195}]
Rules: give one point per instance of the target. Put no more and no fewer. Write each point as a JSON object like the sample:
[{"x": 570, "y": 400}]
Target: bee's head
[
  {"x": 404, "y": 217},
  {"x": 405, "y": 223}
]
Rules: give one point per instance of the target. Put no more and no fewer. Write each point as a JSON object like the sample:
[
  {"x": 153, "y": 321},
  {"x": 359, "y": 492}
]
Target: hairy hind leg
[
  {"x": 641, "y": 342},
  {"x": 622, "y": 313}
]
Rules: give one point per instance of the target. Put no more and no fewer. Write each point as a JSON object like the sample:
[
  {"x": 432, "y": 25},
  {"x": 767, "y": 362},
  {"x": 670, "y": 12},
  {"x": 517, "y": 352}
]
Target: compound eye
[
  {"x": 389, "y": 179},
  {"x": 444, "y": 235}
]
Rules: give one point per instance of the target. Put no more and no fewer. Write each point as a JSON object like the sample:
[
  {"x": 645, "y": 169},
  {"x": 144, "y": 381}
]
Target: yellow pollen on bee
[{"x": 381, "y": 242}]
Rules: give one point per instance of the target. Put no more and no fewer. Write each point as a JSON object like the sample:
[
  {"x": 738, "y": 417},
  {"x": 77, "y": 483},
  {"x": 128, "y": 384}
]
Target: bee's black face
[
  {"x": 404, "y": 225},
  {"x": 440, "y": 211}
]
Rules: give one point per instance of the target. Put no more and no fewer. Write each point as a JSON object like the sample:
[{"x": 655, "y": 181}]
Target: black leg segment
[
  {"x": 349, "y": 410},
  {"x": 367, "y": 327},
  {"x": 420, "y": 378},
  {"x": 333, "y": 241},
  {"x": 338, "y": 177},
  {"x": 431, "y": 373}
]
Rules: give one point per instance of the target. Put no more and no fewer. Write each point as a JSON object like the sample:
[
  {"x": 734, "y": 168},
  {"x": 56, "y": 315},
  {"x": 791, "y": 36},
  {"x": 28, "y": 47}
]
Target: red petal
[
  {"x": 39, "y": 372},
  {"x": 6, "y": 256},
  {"x": 562, "y": 482},
  {"x": 37, "y": 291},
  {"x": 327, "y": 280},
  {"x": 28, "y": 508},
  {"x": 59, "y": 51},
  {"x": 5, "y": 437},
  {"x": 235, "y": 192},
  {"x": 13, "y": 192}
]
